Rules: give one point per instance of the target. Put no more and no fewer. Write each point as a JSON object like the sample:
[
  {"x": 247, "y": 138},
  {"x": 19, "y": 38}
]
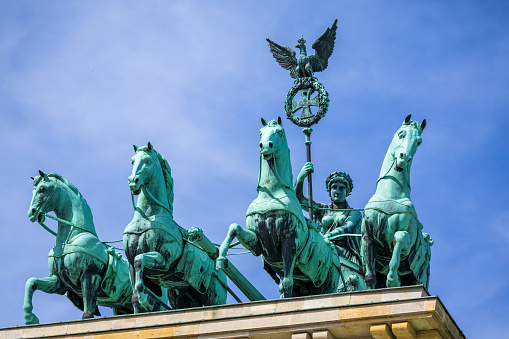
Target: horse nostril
[
  {"x": 136, "y": 180},
  {"x": 33, "y": 210},
  {"x": 261, "y": 145},
  {"x": 271, "y": 144},
  {"x": 401, "y": 155}
]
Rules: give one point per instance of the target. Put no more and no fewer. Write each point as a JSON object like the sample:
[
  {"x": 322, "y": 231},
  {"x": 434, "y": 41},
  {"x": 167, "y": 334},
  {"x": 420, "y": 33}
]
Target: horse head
[
  {"x": 405, "y": 142},
  {"x": 150, "y": 168},
  {"x": 44, "y": 196},
  {"x": 272, "y": 139},
  {"x": 145, "y": 167}
]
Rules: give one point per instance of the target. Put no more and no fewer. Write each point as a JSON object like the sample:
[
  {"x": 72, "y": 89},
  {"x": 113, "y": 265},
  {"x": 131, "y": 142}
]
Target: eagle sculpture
[{"x": 305, "y": 65}]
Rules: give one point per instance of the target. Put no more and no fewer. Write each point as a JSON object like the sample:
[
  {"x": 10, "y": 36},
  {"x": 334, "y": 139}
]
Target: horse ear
[
  {"x": 43, "y": 175},
  {"x": 149, "y": 146},
  {"x": 32, "y": 178},
  {"x": 279, "y": 121},
  {"x": 264, "y": 123},
  {"x": 407, "y": 119},
  {"x": 423, "y": 124},
  {"x": 135, "y": 148}
]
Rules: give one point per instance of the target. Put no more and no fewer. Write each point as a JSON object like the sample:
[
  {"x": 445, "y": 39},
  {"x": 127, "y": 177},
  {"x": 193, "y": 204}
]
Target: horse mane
[
  {"x": 165, "y": 167},
  {"x": 413, "y": 124},
  {"x": 63, "y": 180},
  {"x": 168, "y": 179},
  {"x": 273, "y": 123}
]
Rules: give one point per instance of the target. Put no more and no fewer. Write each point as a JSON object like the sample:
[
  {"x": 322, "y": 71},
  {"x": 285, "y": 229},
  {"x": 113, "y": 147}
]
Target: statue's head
[{"x": 339, "y": 185}]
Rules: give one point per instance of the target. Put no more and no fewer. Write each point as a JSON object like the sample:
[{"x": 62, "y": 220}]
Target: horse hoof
[
  {"x": 221, "y": 263},
  {"x": 31, "y": 319},
  {"x": 87, "y": 315},
  {"x": 143, "y": 299},
  {"x": 393, "y": 282},
  {"x": 139, "y": 288},
  {"x": 370, "y": 279}
]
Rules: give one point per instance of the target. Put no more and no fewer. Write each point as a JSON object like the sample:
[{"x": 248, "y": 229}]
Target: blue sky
[{"x": 83, "y": 81}]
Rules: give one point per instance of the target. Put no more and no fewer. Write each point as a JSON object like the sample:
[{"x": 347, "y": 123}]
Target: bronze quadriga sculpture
[{"x": 384, "y": 248}]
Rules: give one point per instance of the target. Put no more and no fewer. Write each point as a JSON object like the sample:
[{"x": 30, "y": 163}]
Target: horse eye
[
  {"x": 280, "y": 133},
  {"x": 149, "y": 162}
]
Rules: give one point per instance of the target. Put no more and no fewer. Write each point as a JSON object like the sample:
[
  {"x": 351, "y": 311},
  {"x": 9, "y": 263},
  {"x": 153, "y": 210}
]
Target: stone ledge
[{"x": 347, "y": 315}]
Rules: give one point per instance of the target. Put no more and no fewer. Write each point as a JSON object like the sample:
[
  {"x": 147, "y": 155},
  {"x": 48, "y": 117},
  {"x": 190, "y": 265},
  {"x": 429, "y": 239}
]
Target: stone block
[
  {"x": 381, "y": 331},
  {"x": 403, "y": 330},
  {"x": 301, "y": 335},
  {"x": 322, "y": 334}
]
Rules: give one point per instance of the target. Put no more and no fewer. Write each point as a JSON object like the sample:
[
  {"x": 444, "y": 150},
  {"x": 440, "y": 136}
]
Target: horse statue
[
  {"x": 394, "y": 249},
  {"x": 83, "y": 268},
  {"x": 290, "y": 247},
  {"x": 158, "y": 249}
]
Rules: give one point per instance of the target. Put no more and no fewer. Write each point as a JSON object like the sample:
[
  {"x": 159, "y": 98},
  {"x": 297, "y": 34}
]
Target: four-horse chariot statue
[{"x": 334, "y": 249}]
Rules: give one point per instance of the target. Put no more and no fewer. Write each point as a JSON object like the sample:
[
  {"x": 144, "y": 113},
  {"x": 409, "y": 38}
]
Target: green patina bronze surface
[
  {"x": 305, "y": 65},
  {"x": 302, "y": 69},
  {"x": 196, "y": 235},
  {"x": 294, "y": 252},
  {"x": 337, "y": 251},
  {"x": 158, "y": 249},
  {"x": 394, "y": 249},
  {"x": 83, "y": 268},
  {"x": 339, "y": 223}
]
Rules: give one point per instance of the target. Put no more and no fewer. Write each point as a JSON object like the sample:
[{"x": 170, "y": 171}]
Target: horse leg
[
  {"x": 90, "y": 288},
  {"x": 367, "y": 253},
  {"x": 150, "y": 260},
  {"x": 216, "y": 293},
  {"x": 49, "y": 284},
  {"x": 401, "y": 244},
  {"x": 246, "y": 237},
  {"x": 289, "y": 250},
  {"x": 134, "y": 298}
]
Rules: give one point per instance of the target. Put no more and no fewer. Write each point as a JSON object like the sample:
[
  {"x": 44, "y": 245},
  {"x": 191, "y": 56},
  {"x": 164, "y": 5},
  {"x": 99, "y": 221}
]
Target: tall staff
[{"x": 302, "y": 70}]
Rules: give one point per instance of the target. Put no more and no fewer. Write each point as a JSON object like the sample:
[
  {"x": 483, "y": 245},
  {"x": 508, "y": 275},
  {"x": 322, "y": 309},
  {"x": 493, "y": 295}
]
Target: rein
[
  {"x": 345, "y": 235},
  {"x": 155, "y": 200},
  {"x": 275, "y": 172},
  {"x": 66, "y": 222},
  {"x": 145, "y": 188},
  {"x": 75, "y": 226},
  {"x": 385, "y": 175}
]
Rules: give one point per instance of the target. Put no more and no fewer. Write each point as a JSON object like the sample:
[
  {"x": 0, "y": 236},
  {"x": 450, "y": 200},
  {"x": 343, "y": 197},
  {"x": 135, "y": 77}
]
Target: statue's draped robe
[{"x": 347, "y": 247}]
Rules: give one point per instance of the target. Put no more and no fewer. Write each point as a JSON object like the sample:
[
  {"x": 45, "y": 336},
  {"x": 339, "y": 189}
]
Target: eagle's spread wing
[
  {"x": 285, "y": 56},
  {"x": 324, "y": 46}
]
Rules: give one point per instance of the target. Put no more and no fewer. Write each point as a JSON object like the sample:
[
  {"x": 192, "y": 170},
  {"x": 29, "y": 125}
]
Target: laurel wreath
[{"x": 323, "y": 98}]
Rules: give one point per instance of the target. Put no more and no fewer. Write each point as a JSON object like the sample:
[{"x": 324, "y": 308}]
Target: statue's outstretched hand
[{"x": 306, "y": 169}]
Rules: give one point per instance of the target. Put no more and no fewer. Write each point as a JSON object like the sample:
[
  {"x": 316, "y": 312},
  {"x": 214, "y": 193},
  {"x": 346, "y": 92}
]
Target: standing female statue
[{"x": 335, "y": 218}]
